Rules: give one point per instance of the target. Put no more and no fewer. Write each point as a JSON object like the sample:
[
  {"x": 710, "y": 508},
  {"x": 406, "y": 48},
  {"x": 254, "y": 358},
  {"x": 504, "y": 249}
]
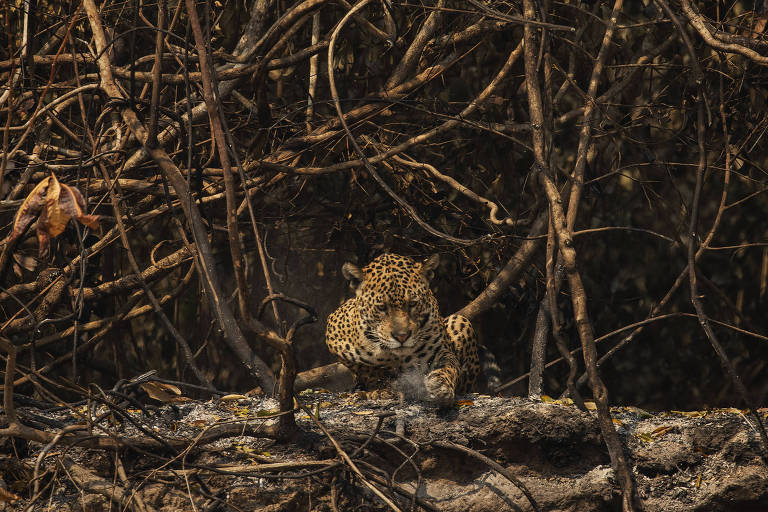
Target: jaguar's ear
[
  {"x": 429, "y": 266},
  {"x": 354, "y": 274}
]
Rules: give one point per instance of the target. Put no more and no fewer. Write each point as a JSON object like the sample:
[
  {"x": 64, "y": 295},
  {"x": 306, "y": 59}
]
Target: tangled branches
[{"x": 226, "y": 152}]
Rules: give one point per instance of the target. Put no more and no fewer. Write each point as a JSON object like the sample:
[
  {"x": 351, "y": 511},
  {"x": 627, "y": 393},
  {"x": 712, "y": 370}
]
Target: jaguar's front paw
[{"x": 439, "y": 388}]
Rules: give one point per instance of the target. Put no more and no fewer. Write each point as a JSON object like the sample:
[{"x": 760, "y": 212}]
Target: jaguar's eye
[
  {"x": 381, "y": 307},
  {"x": 412, "y": 304}
]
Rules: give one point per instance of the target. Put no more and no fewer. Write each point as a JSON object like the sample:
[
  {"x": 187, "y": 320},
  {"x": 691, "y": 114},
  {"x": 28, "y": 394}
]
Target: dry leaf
[
  {"x": 53, "y": 204},
  {"x": 30, "y": 208},
  {"x": 660, "y": 431},
  {"x": 162, "y": 392},
  {"x": 691, "y": 414},
  {"x": 227, "y": 398},
  {"x": 69, "y": 203}
]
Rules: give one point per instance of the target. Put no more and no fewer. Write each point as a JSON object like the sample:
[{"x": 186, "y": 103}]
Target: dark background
[{"x": 640, "y": 174}]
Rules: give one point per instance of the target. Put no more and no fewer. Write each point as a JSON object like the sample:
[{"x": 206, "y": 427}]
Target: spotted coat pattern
[{"x": 393, "y": 324}]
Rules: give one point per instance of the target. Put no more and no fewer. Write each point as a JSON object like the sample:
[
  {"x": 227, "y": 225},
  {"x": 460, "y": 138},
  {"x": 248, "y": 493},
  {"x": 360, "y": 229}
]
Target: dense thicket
[
  {"x": 435, "y": 97},
  {"x": 182, "y": 181}
]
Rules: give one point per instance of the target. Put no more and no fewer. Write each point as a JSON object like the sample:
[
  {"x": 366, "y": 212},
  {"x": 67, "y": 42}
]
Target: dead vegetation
[{"x": 593, "y": 173}]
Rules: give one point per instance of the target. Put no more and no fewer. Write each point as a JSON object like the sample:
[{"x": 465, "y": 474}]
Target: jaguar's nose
[{"x": 401, "y": 336}]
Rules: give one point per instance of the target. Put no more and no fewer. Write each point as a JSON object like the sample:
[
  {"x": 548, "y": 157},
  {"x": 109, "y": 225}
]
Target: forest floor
[{"x": 411, "y": 453}]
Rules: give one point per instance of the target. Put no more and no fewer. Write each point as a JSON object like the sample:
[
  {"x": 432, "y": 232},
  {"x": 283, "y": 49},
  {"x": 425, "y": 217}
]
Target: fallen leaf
[
  {"x": 660, "y": 431},
  {"x": 227, "y": 398},
  {"x": 691, "y": 414},
  {"x": 162, "y": 392}
]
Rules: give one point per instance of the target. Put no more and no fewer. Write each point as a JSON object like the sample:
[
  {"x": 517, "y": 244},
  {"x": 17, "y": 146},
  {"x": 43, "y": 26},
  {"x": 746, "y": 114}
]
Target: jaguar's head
[{"x": 395, "y": 302}]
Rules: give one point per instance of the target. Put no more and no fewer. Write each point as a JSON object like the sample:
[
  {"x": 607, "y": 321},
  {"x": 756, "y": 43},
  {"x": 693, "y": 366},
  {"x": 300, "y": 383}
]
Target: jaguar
[{"x": 392, "y": 326}]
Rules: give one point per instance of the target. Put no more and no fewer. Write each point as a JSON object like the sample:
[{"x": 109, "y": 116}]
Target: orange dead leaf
[
  {"x": 53, "y": 204},
  {"x": 68, "y": 204}
]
